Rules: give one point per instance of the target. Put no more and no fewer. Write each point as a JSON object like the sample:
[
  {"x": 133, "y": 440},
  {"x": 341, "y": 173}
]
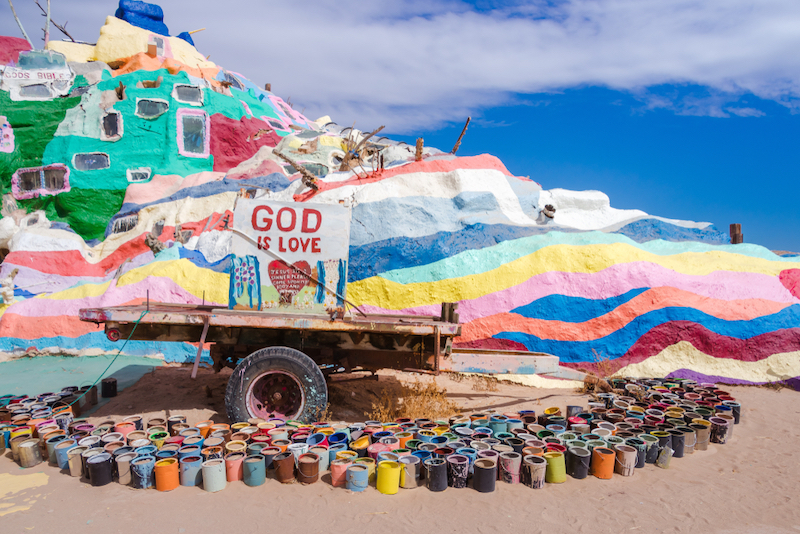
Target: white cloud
[{"x": 411, "y": 64}]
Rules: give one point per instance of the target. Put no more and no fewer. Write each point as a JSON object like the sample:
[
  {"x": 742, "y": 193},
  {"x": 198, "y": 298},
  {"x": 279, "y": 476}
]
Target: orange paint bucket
[
  {"x": 603, "y": 462},
  {"x": 233, "y": 466},
  {"x": 167, "y": 474}
]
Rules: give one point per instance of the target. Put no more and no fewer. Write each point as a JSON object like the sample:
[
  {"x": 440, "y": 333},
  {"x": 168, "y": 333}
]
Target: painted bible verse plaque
[{"x": 294, "y": 259}]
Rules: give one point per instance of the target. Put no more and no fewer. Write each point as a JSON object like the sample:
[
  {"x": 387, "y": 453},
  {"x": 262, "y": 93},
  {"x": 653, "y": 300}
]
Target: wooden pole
[
  {"x": 736, "y": 234},
  {"x": 460, "y": 137},
  {"x": 420, "y": 146}
]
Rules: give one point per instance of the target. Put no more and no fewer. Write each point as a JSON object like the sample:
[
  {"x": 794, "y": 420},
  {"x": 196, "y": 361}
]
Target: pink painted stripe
[
  {"x": 612, "y": 282},
  {"x": 161, "y": 288}
]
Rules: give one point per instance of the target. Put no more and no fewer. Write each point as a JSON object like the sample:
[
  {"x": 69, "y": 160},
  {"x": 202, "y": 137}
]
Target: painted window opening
[
  {"x": 233, "y": 80},
  {"x": 158, "y": 42},
  {"x": 40, "y": 181},
  {"x": 193, "y": 133},
  {"x": 111, "y": 126},
  {"x": 151, "y": 108},
  {"x": 188, "y": 94},
  {"x": 125, "y": 224},
  {"x": 91, "y": 161},
  {"x": 140, "y": 174},
  {"x": 37, "y": 90},
  {"x": 275, "y": 123}
]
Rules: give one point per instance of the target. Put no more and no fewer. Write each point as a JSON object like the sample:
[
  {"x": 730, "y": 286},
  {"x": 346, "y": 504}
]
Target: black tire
[{"x": 244, "y": 396}]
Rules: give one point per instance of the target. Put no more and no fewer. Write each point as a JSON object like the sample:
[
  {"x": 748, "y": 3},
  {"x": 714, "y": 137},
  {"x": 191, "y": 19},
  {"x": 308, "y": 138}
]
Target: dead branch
[
  {"x": 309, "y": 180},
  {"x": 19, "y": 23},
  {"x": 354, "y": 153},
  {"x": 62, "y": 29},
  {"x": 460, "y": 137}
]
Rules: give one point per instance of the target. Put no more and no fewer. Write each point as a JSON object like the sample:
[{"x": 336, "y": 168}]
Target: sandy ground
[{"x": 751, "y": 484}]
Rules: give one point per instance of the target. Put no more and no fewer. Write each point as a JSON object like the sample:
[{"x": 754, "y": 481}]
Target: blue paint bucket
[
  {"x": 316, "y": 439},
  {"x": 188, "y": 450},
  {"x": 61, "y": 450},
  {"x": 254, "y": 470},
  {"x": 357, "y": 478},
  {"x": 337, "y": 437},
  {"x": 147, "y": 450},
  {"x": 376, "y": 436},
  {"x": 324, "y": 457},
  {"x": 384, "y": 456},
  {"x": 438, "y": 440},
  {"x": 333, "y": 449},
  {"x": 143, "y": 472},
  {"x": 163, "y": 454},
  {"x": 502, "y": 436},
  {"x": 191, "y": 470},
  {"x": 484, "y": 430}
]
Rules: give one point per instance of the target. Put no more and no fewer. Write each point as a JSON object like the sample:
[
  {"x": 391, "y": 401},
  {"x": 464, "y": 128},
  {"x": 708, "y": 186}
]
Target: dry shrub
[
  {"x": 605, "y": 367},
  {"x": 324, "y": 415},
  {"x": 416, "y": 401},
  {"x": 456, "y": 377},
  {"x": 484, "y": 383}
]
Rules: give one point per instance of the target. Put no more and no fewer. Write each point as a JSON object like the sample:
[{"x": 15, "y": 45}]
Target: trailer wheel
[{"x": 276, "y": 382}]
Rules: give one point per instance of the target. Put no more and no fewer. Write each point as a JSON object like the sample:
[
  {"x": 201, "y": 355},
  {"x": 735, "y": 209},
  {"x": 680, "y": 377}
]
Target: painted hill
[{"x": 139, "y": 135}]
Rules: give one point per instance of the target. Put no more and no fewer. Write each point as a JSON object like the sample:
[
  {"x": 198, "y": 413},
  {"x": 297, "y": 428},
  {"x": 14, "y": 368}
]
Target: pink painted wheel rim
[{"x": 275, "y": 394}]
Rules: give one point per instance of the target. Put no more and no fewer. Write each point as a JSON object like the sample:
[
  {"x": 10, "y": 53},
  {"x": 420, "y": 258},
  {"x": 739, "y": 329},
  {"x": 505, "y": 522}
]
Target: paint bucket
[
  {"x": 142, "y": 469},
  {"x": 485, "y": 475},
  {"x": 308, "y": 468},
  {"x": 233, "y": 466},
  {"x": 678, "y": 441},
  {"x": 211, "y": 453},
  {"x": 457, "y": 470},
  {"x": 578, "y": 462},
  {"x": 324, "y": 457},
  {"x": 535, "y": 471},
  {"x": 719, "y": 430},
  {"x": 85, "y": 455},
  {"x": 146, "y": 450},
  {"x": 603, "y": 460},
  {"x": 99, "y": 467},
  {"x": 167, "y": 474},
  {"x": 641, "y": 450},
  {"x": 339, "y": 471},
  {"x": 62, "y": 450},
  {"x": 510, "y": 467},
  {"x": 664, "y": 457},
  {"x": 736, "y": 410},
  {"x": 75, "y": 462},
  {"x": 164, "y": 454},
  {"x": 651, "y": 446},
  {"x": 189, "y": 450},
  {"x": 626, "y": 460},
  {"x": 664, "y": 438},
  {"x": 254, "y": 470},
  {"x": 29, "y": 452},
  {"x": 689, "y": 439},
  {"x": 371, "y": 467},
  {"x": 357, "y": 477},
  {"x": 731, "y": 423},
  {"x": 269, "y": 453},
  {"x": 410, "y": 472},
  {"x": 191, "y": 470},
  {"x": 158, "y": 438},
  {"x": 214, "y": 477},
  {"x": 436, "y": 474},
  {"x": 702, "y": 435},
  {"x": 556, "y": 472},
  {"x": 50, "y": 445}
]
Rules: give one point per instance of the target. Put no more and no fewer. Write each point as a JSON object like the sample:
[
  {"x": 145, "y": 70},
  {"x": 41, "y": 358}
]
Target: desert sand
[{"x": 749, "y": 485}]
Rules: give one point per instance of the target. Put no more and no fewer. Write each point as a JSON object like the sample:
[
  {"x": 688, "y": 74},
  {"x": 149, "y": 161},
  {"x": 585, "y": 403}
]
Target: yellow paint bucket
[
  {"x": 348, "y": 455},
  {"x": 388, "y": 477}
]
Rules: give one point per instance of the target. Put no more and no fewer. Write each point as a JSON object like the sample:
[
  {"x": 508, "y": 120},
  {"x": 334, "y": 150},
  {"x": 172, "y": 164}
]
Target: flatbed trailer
[{"x": 281, "y": 360}]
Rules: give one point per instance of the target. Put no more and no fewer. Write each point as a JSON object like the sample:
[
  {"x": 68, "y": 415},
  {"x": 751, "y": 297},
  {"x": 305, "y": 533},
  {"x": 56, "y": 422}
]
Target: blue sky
[{"x": 684, "y": 109}]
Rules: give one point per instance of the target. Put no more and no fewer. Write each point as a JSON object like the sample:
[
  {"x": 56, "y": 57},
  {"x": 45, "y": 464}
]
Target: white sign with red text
[{"x": 294, "y": 249}]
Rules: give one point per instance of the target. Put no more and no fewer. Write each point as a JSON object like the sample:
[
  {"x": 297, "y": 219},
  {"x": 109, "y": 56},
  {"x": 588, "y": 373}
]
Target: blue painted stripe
[
  {"x": 171, "y": 351},
  {"x": 274, "y": 182},
  {"x": 573, "y": 309},
  {"x": 617, "y": 343},
  {"x": 649, "y": 229},
  {"x": 197, "y": 258}
]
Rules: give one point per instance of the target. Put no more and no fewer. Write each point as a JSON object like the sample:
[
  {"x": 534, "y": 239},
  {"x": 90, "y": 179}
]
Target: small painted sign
[
  {"x": 294, "y": 258},
  {"x": 40, "y": 76},
  {"x": 6, "y": 136}
]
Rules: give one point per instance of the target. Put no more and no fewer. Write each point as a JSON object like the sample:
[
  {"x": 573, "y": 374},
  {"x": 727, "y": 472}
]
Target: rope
[{"x": 139, "y": 320}]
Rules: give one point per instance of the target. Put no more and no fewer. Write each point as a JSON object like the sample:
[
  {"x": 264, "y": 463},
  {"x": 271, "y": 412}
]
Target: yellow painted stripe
[
  {"x": 683, "y": 355},
  {"x": 183, "y": 272},
  {"x": 590, "y": 259},
  {"x": 79, "y": 292}
]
